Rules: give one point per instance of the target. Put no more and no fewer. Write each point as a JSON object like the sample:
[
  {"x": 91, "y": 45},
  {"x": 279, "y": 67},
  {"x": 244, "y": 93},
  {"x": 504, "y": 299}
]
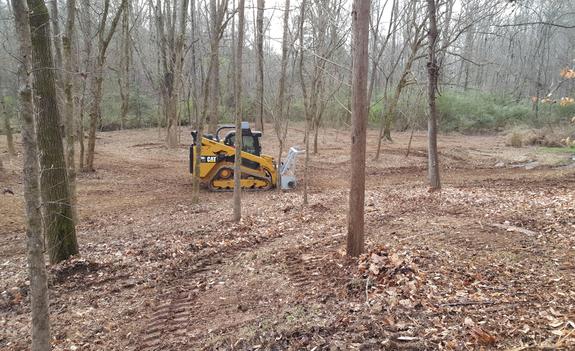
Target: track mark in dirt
[
  {"x": 171, "y": 318},
  {"x": 169, "y": 322},
  {"x": 318, "y": 275}
]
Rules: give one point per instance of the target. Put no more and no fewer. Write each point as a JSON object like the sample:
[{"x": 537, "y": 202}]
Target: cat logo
[{"x": 209, "y": 159}]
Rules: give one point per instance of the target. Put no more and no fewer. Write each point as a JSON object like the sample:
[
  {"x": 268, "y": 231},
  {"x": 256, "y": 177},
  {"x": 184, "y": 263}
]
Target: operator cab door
[{"x": 250, "y": 144}]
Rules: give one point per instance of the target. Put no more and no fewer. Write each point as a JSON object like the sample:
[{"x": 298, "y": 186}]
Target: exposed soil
[{"x": 487, "y": 263}]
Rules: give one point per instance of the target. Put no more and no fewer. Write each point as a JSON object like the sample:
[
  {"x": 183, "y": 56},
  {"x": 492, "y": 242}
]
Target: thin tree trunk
[
  {"x": 280, "y": 115},
  {"x": 87, "y": 67},
  {"x": 70, "y": 127},
  {"x": 315, "y": 136},
  {"x": 409, "y": 143},
  {"x": 36, "y": 265},
  {"x": 238, "y": 99},
  {"x": 359, "y": 110},
  {"x": 305, "y": 101},
  {"x": 194, "y": 76},
  {"x": 433, "y": 74},
  {"x": 125, "y": 62},
  {"x": 57, "y": 42},
  {"x": 59, "y": 223},
  {"x": 7, "y": 127},
  {"x": 260, "y": 65},
  {"x": 200, "y": 134},
  {"x": 55, "y": 23},
  {"x": 215, "y": 71},
  {"x": 94, "y": 113},
  {"x": 98, "y": 78}
]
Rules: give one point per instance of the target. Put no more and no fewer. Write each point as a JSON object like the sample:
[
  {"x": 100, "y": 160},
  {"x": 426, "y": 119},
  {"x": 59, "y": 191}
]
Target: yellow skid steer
[{"x": 259, "y": 171}]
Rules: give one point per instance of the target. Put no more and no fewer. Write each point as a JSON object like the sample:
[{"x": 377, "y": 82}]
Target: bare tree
[
  {"x": 124, "y": 78},
  {"x": 305, "y": 101},
  {"x": 7, "y": 126},
  {"x": 413, "y": 42},
  {"x": 433, "y": 74},
  {"x": 218, "y": 9},
  {"x": 260, "y": 65},
  {"x": 238, "y": 113},
  {"x": 325, "y": 18},
  {"x": 281, "y": 119},
  {"x": 359, "y": 110},
  {"x": 57, "y": 41},
  {"x": 86, "y": 21},
  {"x": 36, "y": 265},
  {"x": 69, "y": 107},
  {"x": 59, "y": 226},
  {"x": 200, "y": 132},
  {"x": 172, "y": 59},
  {"x": 104, "y": 37}
]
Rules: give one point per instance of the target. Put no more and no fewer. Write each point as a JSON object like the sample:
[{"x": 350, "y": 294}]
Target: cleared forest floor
[{"x": 489, "y": 262}]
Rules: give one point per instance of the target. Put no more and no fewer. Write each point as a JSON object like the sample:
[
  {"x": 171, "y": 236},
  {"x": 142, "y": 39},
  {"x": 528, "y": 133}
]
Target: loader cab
[{"x": 250, "y": 139}]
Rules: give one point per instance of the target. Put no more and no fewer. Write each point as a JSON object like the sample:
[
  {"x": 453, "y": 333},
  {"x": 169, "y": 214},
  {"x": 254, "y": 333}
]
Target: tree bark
[
  {"x": 260, "y": 65},
  {"x": 280, "y": 120},
  {"x": 68, "y": 83},
  {"x": 305, "y": 101},
  {"x": 98, "y": 77},
  {"x": 59, "y": 226},
  {"x": 36, "y": 265},
  {"x": 87, "y": 64},
  {"x": 238, "y": 112},
  {"x": 7, "y": 127},
  {"x": 55, "y": 23},
  {"x": 359, "y": 110},
  {"x": 215, "y": 71},
  {"x": 433, "y": 74},
  {"x": 124, "y": 78},
  {"x": 171, "y": 52}
]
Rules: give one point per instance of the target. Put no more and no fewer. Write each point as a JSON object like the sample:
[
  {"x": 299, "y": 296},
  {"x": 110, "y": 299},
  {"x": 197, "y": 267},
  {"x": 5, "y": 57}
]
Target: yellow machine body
[{"x": 216, "y": 171}]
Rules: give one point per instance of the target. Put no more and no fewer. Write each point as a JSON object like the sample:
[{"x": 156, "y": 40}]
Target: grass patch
[{"x": 556, "y": 150}]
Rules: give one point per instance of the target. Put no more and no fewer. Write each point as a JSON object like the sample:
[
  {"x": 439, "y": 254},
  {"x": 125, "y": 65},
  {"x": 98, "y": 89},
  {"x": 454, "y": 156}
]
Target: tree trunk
[
  {"x": 433, "y": 74},
  {"x": 200, "y": 133},
  {"x": 59, "y": 224},
  {"x": 359, "y": 110},
  {"x": 260, "y": 65},
  {"x": 55, "y": 23},
  {"x": 194, "y": 68},
  {"x": 125, "y": 62},
  {"x": 69, "y": 123},
  {"x": 238, "y": 99},
  {"x": 97, "y": 79},
  {"x": 305, "y": 101},
  {"x": 94, "y": 113},
  {"x": 215, "y": 71},
  {"x": 7, "y": 127},
  {"x": 86, "y": 19},
  {"x": 57, "y": 42},
  {"x": 280, "y": 115},
  {"x": 36, "y": 265}
]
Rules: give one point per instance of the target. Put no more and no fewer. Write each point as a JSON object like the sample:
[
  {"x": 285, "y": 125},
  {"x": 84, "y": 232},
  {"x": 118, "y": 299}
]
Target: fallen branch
[
  {"x": 479, "y": 303},
  {"x": 512, "y": 228}
]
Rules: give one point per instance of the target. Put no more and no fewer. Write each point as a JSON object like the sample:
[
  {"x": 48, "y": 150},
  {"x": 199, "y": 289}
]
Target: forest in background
[
  {"x": 500, "y": 62},
  {"x": 422, "y": 266}
]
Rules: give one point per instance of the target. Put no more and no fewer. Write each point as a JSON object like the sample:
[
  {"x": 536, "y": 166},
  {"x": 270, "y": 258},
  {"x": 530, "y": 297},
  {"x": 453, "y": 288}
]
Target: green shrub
[{"x": 474, "y": 112}]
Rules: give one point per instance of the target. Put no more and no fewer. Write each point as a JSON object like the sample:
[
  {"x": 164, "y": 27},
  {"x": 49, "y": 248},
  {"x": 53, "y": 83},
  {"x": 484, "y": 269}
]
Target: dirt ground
[{"x": 487, "y": 263}]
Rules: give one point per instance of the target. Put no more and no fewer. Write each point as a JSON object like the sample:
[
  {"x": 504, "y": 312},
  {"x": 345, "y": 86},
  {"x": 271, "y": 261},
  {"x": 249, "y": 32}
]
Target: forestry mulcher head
[{"x": 259, "y": 171}]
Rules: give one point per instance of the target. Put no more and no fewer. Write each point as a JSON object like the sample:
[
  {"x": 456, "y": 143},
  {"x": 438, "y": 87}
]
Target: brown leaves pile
[
  {"x": 387, "y": 268},
  {"x": 568, "y": 73}
]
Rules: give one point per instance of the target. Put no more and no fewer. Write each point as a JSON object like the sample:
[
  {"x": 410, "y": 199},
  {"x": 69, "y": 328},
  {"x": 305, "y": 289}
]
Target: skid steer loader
[{"x": 259, "y": 171}]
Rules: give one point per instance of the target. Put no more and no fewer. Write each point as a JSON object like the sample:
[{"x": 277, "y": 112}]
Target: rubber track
[{"x": 244, "y": 172}]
